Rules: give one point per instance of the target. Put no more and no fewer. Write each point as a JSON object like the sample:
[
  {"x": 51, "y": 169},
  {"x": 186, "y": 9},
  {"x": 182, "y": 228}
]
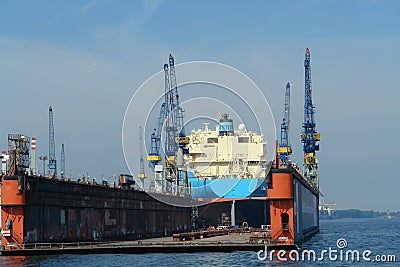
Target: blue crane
[
  {"x": 285, "y": 149},
  {"x": 176, "y": 140},
  {"x": 170, "y": 119},
  {"x": 52, "y": 146},
  {"x": 309, "y": 135},
  {"x": 170, "y": 130}
]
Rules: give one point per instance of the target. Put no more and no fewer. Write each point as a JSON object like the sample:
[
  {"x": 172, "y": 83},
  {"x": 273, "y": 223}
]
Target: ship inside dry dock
[
  {"x": 42, "y": 209},
  {"x": 248, "y": 190},
  {"x": 197, "y": 183}
]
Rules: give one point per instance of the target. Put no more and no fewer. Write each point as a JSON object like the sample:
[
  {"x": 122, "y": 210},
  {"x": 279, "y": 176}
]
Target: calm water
[{"x": 381, "y": 236}]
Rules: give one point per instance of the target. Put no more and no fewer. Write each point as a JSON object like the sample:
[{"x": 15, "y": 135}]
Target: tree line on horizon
[{"x": 356, "y": 213}]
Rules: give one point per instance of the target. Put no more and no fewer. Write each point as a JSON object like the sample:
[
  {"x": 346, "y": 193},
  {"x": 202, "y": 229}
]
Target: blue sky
[{"x": 86, "y": 59}]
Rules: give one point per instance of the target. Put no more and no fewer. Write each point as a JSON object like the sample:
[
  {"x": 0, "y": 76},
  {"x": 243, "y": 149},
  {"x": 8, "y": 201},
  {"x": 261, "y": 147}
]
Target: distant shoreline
[{"x": 356, "y": 213}]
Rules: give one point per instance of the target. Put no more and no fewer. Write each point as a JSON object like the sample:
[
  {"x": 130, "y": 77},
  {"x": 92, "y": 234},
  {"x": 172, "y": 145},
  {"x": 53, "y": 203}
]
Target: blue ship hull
[{"x": 226, "y": 187}]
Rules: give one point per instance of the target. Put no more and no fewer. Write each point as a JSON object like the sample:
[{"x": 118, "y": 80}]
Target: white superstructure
[{"x": 225, "y": 152}]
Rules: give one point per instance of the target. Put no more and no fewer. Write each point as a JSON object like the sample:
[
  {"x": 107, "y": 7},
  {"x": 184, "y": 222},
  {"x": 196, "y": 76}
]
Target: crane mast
[
  {"x": 62, "y": 173},
  {"x": 142, "y": 174},
  {"x": 52, "y": 146},
  {"x": 285, "y": 149},
  {"x": 309, "y": 135}
]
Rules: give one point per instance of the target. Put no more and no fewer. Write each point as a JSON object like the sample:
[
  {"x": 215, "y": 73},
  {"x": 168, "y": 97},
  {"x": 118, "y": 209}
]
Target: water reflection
[{"x": 17, "y": 261}]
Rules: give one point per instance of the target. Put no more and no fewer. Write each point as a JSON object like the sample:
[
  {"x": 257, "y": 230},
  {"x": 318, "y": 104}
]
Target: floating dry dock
[
  {"x": 50, "y": 216},
  {"x": 226, "y": 243}
]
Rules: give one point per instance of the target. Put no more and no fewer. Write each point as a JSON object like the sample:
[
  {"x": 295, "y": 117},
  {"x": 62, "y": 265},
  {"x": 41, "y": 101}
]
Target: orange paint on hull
[
  {"x": 293, "y": 206},
  {"x": 281, "y": 202},
  {"x": 12, "y": 208}
]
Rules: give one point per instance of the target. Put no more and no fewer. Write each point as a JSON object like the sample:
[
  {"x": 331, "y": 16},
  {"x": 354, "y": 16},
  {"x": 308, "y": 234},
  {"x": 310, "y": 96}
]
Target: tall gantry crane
[
  {"x": 285, "y": 149},
  {"x": 170, "y": 130},
  {"x": 309, "y": 135},
  {"x": 52, "y": 146},
  {"x": 175, "y": 140}
]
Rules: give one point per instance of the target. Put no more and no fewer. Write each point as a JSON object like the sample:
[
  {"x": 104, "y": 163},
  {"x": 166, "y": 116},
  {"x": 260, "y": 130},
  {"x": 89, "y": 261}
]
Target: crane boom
[{"x": 171, "y": 104}]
